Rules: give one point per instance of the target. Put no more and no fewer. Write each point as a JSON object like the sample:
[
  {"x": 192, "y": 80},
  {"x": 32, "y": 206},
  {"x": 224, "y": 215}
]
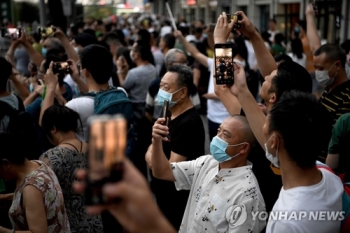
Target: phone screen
[
  {"x": 223, "y": 64},
  {"x": 13, "y": 33},
  {"x": 107, "y": 144}
]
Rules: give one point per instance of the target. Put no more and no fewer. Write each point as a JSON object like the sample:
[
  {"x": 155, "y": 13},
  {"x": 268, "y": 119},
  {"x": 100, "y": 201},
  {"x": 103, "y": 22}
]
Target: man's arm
[
  {"x": 11, "y": 52},
  {"x": 196, "y": 76},
  {"x": 36, "y": 57},
  {"x": 51, "y": 82},
  {"x": 6, "y": 197},
  {"x": 252, "y": 110},
  {"x": 18, "y": 85},
  {"x": 265, "y": 60},
  {"x": 221, "y": 33},
  {"x": 161, "y": 168},
  {"x": 312, "y": 34},
  {"x": 30, "y": 99},
  {"x": 71, "y": 53},
  {"x": 129, "y": 81},
  {"x": 254, "y": 114},
  {"x": 201, "y": 58}
]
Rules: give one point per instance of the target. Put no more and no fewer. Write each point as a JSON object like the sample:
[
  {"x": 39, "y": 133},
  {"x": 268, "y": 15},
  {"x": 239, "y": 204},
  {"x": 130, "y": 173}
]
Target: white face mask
[
  {"x": 269, "y": 156},
  {"x": 323, "y": 78}
]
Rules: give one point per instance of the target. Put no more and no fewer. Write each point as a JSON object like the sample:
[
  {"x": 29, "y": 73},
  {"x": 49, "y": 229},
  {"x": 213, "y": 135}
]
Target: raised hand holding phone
[
  {"x": 223, "y": 64},
  {"x": 106, "y": 155}
]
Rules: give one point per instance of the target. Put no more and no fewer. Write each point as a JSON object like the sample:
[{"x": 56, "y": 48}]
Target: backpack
[
  {"x": 345, "y": 224},
  {"x": 116, "y": 101}
]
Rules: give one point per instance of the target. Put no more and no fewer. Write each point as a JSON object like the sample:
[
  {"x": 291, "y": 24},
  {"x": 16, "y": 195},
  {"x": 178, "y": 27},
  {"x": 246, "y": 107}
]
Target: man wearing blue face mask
[
  {"x": 224, "y": 192},
  {"x": 187, "y": 138}
]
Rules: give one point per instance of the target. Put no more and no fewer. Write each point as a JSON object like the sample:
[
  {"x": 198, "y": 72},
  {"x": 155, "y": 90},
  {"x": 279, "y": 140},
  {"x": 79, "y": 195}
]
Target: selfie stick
[{"x": 171, "y": 16}]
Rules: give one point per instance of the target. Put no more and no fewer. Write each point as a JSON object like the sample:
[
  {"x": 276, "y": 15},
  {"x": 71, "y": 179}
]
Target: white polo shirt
[{"x": 218, "y": 196}]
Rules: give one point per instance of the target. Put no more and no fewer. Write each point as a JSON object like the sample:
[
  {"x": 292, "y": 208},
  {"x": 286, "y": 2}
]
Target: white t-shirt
[
  {"x": 251, "y": 55},
  {"x": 324, "y": 196},
  {"x": 300, "y": 61},
  {"x": 273, "y": 33},
  {"x": 218, "y": 196},
  {"x": 85, "y": 107},
  {"x": 216, "y": 110}
]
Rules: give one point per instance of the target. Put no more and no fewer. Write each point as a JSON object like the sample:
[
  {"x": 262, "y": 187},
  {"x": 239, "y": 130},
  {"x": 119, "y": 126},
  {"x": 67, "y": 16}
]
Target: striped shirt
[{"x": 337, "y": 101}]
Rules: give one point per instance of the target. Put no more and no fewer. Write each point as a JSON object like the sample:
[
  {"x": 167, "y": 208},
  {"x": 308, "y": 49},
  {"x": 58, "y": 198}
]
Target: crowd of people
[{"x": 275, "y": 141}]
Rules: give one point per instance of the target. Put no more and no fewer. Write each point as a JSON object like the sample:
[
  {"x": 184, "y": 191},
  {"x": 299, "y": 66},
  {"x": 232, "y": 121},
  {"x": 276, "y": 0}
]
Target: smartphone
[
  {"x": 166, "y": 113},
  {"x": 313, "y": 2},
  {"x": 12, "y": 33},
  {"x": 107, "y": 144},
  {"x": 62, "y": 68},
  {"x": 236, "y": 18},
  {"x": 212, "y": 26},
  {"x": 46, "y": 32},
  {"x": 223, "y": 64}
]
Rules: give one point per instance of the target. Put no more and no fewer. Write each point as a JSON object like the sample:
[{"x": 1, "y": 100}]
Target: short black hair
[
  {"x": 6, "y": 71},
  {"x": 185, "y": 76},
  {"x": 303, "y": 24},
  {"x": 169, "y": 39},
  {"x": 103, "y": 44},
  {"x": 333, "y": 52},
  {"x": 10, "y": 149},
  {"x": 121, "y": 36},
  {"x": 282, "y": 57},
  {"x": 144, "y": 49},
  {"x": 302, "y": 122},
  {"x": 112, "y": 38},
  {"x": 279, "y": 37},
  {"x": 85, "y": 39},
  {"x": 290, "y": 76},
  {"x": 125, "y": 52},
  {"x": 98, "y": 61},
  {"x": 61, "y": 117},
  {"x": 90, "y": 31},
  {"x": 297, "y": 47},
  {"x": 144, "y": 35},
  {"x": 346, "y": 46}
]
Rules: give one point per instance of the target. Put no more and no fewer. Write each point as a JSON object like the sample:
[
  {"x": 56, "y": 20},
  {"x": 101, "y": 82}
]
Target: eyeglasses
[{"x": 180, "y": 62}]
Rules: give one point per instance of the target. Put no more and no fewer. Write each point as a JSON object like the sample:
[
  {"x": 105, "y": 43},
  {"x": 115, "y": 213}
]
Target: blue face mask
[
  {"x": 44, "y": 51},
  {"x": 218, "y": 149},
  {"x": 31, "y": 88},
  {"x": 163, "y": 95}
]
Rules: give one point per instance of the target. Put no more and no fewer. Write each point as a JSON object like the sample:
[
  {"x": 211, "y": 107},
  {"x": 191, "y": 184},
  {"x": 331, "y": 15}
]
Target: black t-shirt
[{"x": 187, "y": 138}]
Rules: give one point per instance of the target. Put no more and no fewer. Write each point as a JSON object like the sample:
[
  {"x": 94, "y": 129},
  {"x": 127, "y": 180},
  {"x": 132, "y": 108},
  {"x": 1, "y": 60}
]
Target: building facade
[{"x": 332, "y": 21}]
